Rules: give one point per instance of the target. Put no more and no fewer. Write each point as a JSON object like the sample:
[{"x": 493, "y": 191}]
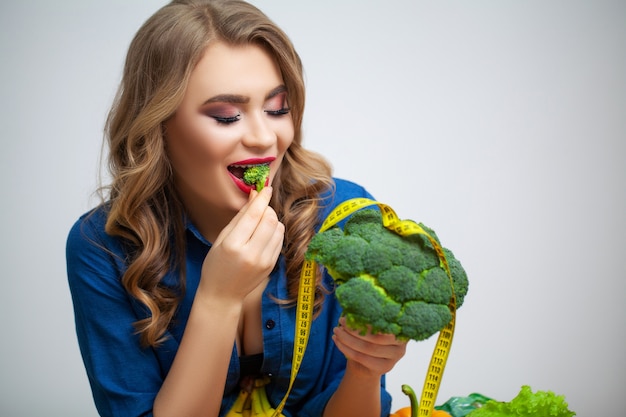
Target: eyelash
[
  {"x": 281, "y": 112},
  {"x": 233, "y": 119},
  {"x": 226, "y": 120}
]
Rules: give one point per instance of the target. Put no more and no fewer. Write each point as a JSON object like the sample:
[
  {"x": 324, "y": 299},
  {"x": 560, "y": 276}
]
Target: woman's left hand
[{"x": 371, "y": 354}]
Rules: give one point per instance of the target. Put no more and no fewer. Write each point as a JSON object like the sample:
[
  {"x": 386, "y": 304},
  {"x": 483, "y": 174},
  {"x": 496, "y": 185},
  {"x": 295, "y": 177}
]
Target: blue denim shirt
[{"x": 125, "y": 378}]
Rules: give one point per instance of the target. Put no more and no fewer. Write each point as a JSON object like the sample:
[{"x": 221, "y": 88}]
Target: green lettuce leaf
[{"x": 526, "y": 404}]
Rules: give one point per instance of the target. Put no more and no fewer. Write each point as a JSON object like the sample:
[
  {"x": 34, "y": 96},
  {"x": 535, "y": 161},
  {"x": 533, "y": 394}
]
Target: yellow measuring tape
[{"x": 306, "y": 295}]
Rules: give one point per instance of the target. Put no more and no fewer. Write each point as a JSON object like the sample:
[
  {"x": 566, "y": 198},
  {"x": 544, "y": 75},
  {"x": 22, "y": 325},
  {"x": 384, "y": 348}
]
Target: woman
[{"x": 184, "y": 279}]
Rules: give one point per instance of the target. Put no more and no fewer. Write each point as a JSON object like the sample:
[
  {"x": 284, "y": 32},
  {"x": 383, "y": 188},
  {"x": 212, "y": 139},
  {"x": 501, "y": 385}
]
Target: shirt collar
[{"x": 194, "y": 231}]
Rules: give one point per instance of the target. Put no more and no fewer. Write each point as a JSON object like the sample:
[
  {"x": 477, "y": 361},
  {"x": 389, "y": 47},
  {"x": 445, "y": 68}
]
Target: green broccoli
[
  {"x": 257, "y": 175},
  {"x": 386, "y": 282},
  {"x": 382, "y": 310}
]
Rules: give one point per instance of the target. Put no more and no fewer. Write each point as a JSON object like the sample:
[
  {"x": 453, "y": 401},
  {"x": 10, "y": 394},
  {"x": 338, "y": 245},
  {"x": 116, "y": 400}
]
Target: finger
[
  {"x": 374, "y": 359},
  {"x": 275, "y": 244},
  {"x": 373, "y": 364},
  {"x": 266, "y": 242},
  {"x": 380, "y": 346},
  {"x": 267, "y": 225},
  {"x": 378, "y": 338},
  {"x": 245, "y": 221},
  {"x": 253, "y": 212}
]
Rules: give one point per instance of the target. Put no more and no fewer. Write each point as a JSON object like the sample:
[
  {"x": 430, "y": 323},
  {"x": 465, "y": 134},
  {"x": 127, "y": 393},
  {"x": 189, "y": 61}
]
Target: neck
[{"x": 209, "y": 221}]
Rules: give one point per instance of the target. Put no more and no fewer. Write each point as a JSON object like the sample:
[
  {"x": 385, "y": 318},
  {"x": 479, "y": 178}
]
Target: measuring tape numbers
[{"x": 306, "y": 295}]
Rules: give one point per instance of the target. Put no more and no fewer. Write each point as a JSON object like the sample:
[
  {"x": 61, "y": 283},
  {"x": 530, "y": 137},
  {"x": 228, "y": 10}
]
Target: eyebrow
[
  {"x": 239, "y": 99},
  {"x": 278, "y": 90}
]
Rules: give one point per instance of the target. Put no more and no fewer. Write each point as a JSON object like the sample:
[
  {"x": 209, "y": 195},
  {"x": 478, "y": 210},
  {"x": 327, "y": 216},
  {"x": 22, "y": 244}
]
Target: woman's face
[{"x": 235, "y": 113}]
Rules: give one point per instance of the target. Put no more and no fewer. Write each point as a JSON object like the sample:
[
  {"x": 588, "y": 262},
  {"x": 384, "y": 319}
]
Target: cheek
[
  {"x": 285, "y": 136},
  {"x": 193, "y": 142}
]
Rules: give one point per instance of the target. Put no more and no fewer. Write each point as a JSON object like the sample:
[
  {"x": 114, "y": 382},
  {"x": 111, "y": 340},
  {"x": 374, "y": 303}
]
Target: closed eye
[
  {"x": 226, "y": 120},
  {"x": 279, "y": 112}
]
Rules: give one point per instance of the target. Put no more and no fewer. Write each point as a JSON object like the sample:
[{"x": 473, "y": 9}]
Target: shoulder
[
  {"x": 343, "y": 190},
  {"x": 88, "y": 244},
  {"x": 88, "y": 227}
]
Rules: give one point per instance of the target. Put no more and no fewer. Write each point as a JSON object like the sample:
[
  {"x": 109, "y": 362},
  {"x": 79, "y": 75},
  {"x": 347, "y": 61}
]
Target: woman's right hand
[{"x": 245, "y": 251}]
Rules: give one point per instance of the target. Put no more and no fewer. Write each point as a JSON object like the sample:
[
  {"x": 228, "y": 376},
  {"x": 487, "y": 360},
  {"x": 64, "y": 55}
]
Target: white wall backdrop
[{"x": 501, "y": 124}]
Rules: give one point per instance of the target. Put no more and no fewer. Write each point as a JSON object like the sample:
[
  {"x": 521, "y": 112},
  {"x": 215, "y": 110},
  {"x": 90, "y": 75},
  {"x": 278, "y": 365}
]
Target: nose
[{"x": 259, "y": 133}]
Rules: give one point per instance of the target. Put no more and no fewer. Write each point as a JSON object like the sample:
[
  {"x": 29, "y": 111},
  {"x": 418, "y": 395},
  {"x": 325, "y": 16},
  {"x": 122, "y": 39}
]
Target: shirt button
[{"x": 269, "y": 325}]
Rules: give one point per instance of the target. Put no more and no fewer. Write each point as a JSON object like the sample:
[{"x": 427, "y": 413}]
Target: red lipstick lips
[{"x": 237, "y": 169}]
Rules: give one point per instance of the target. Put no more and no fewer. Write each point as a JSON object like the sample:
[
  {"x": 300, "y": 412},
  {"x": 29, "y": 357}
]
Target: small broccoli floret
[
  {"x": 367, "y": 224},
  {"x": 420, "y": 320},
  {"x": 322, "y": 246},
  {"x": 401, "y": 283},
  {"x": 434, "y": 287},
  {"x": 459, "y": 276},
  {"x": 379, "y": 257},
  {"x": 342, "y": 255},
  {"x": 348, "y": 257},
  {"x": 366, "y": 304},
  {"x": 391, "y": 283},
  {"x": 418, "y": 260},
  {"x": 257, "y": 175}
]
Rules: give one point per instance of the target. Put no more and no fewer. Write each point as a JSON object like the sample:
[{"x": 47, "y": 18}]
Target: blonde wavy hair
[{"x": 144, "y": 207}]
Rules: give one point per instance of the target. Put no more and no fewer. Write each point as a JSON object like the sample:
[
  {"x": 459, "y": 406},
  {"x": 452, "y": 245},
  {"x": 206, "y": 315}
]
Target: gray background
[{"x": 501, "y": 124}]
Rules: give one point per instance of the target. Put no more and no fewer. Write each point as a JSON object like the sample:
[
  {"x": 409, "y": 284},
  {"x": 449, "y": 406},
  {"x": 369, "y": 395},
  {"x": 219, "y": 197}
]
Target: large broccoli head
[{"x": 386, "y": 282}]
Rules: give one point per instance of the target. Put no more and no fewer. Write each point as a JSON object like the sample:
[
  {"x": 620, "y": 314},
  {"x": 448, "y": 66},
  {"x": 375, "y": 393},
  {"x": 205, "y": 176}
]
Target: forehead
[{"x": 247, "y": 70}]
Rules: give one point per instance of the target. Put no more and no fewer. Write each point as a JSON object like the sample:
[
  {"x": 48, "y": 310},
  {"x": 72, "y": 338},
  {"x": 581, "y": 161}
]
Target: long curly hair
[{"x": 145, "y": 210}]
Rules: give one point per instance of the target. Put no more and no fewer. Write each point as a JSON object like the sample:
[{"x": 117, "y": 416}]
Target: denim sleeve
[{"x": 124, "y": 378}]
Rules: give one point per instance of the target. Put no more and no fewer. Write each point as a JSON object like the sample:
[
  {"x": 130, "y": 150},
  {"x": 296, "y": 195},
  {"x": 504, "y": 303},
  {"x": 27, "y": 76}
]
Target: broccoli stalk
[
  {"x": 257, "y": 175},
  {"x": 386, "y": 282}
]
